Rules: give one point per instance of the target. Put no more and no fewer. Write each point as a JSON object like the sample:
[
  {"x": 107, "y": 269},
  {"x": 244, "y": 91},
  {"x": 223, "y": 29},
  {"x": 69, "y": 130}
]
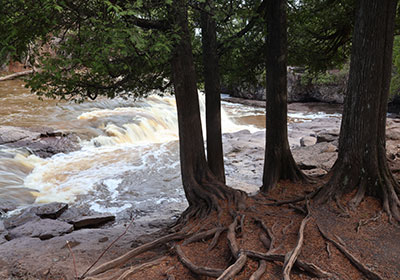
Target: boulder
[
  {"x": 43, "y": 229},
  {"x": 92, "y": 221},
  {"x": 307, "y": 141},
  {"x": 318, "y": 156}
]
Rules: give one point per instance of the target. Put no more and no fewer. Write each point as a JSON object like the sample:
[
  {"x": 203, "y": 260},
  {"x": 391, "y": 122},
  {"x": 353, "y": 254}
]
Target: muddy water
[{"x": 128, "y": 161}]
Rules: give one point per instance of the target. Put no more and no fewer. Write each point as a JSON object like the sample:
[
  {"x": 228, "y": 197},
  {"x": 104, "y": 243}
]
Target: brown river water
[{"x": 128, "y": 159}]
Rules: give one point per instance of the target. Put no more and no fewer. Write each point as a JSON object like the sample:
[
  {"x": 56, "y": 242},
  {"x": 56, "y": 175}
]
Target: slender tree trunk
[
  {"x": 215, "y": 156},
  {"x": 362, "y": 163},
  {"x": 279, "y": 163},
  {"x": 203, "y": 190}
]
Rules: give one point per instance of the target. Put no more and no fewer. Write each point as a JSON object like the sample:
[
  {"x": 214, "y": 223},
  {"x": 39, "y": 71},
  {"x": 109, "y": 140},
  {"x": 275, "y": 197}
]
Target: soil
[{"x": 375, "y": 242}]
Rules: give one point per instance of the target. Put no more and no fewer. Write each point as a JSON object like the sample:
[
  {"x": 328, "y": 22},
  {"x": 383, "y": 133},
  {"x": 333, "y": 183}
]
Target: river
[{"x": 128, "y": 161}]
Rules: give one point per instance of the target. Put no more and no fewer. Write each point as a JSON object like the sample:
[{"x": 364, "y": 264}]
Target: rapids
[{"x": 128, "y": 161}]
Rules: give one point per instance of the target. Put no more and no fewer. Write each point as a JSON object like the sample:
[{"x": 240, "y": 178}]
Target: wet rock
[
  {"x": 92, "y": 221},
  {"x": 41, "y": 141},
  {"x": 43, "y": 229},
  {"x": 7, "y": 206},
  {"x": 308, "y": 141},
  {"x": 51, "y": 210},
  {"x": 11, "y": 134},
  {"x": 17, "y": 220}
]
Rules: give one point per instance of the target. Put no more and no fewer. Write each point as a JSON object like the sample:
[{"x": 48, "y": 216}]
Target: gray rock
[
  {"x": 3, "y": 238},
  {"x": 41, "y": 141},
  {"x": 73, "y": 213},
  {"x": 7, "y": 206},
  {"x": 50, "y": 210},
  {"x": 11, "y": 134},
  {"x": 316, "y": 156},
  {"x": 308, "y": 141},
  {"x": 92, "y": 221},
  {"x": 43, "y": 229},
  {"x": 2, "y": 227}
]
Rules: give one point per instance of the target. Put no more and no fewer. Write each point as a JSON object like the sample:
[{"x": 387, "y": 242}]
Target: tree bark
[
  {"x": 279, "y": 163},
  {"x": 215, "y": 155},
  {"x": 362, "y": 163},
  {"x": 203, "y": 190}
]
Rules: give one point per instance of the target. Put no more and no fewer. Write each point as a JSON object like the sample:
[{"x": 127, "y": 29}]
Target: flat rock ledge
[
  {"x": 41, "y": 141},
  {"x": 47, "y": 221}
]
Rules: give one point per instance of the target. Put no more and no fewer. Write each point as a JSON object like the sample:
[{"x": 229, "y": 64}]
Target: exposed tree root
[
  {"x": 204, "y": 235},
  {"x": 358, "y": 264},
  {"x": 137, "y": 251},
  {"x": 234, "y": 269},
  {"x": 367, "y": 221},
  {"x": 328, "y": 250},
  {"x": 231, "y": 236},
  {"x": 291, "y": 256},
  {"x": 297, "y": 208},
  {"x": 269, "y": 242},
  {"x": 309, "y": 268},
  {"x": 206, "y": 271},
  {"x": 214, "y": 241},
  {"x": 137, "y": 268},
  {"x": 295, "y": 200},
  {"x": 260, "y": 270},
  {"x": 286, "y": 228}
]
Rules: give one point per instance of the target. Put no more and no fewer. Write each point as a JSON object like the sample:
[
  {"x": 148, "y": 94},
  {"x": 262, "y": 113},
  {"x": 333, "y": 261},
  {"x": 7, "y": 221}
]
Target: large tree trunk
[
  {"x": 362, "y": 163},
  {"x": 279, "y": 163},
  {"x": 203, "y": 190},
  {"x": 215, "y": 156}
]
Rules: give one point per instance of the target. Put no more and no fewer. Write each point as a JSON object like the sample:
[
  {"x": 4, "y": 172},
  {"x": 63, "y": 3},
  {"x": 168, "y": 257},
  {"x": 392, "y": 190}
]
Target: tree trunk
[
  {"x": 215, "y": 156},
  {"x": 203, "y": 190},
  {"x": 279, "y": 163},
  {"x": 362, "y": 163}
]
